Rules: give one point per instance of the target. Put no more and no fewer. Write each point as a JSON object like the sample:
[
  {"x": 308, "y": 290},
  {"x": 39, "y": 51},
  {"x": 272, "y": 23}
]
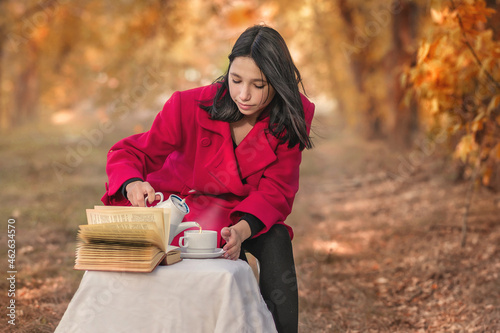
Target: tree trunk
[
  {"x": 494, "y": 20},
  {"x": 4, "y": 115},
  {"x": 360, "y": 68},
  {"x": 328, "y": 56},
  {"x": 26, "y": 91},
  {"x": 404, "y": 34}
]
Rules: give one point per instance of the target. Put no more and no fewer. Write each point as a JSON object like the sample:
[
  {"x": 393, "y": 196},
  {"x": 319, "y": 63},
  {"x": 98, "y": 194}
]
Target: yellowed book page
[
  {"x": 128, "y": 214},
  {"x": 165, "y": 222},
  {"x": 172, "y": 248},
  {"x": 87, "y": 252},
  {"x": 132, "y": 232},
  {"x": 91, "y": 251},
  {"x": 122, "y": 265}
]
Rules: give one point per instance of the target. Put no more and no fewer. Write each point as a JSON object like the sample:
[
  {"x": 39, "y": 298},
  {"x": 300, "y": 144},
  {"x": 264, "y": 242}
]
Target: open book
[{"x": 125, "y": 239}]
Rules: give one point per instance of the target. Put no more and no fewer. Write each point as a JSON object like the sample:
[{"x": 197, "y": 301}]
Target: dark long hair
[{"x": 269, "y": 51}]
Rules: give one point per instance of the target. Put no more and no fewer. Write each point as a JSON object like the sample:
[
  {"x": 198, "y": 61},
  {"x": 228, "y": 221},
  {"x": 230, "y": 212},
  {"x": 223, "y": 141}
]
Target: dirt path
[{"x": 379, "y": 252}]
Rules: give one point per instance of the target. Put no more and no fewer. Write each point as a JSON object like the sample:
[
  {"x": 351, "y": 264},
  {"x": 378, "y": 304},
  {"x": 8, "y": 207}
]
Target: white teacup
[{"x": 195, "y": 241}]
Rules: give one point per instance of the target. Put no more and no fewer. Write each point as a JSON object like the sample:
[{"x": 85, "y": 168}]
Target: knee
[
  {"x": 275, "y": 245},
  {"x": 272, "y": 247},
  {"x": 278, "y": 233}
]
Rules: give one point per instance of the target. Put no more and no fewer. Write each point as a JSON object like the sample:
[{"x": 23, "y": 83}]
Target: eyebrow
[{"x": 253, "y": 80}]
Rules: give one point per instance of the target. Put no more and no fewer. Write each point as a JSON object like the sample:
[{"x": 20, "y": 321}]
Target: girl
[{"x": 232, "y": 150}]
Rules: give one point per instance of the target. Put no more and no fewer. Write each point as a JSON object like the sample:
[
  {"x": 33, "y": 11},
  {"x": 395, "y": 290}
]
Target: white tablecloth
[{"x": 194, "y": 295}]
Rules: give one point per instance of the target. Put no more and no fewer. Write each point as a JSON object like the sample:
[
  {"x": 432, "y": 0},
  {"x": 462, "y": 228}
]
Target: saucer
[{"x": 201, "y": 255}]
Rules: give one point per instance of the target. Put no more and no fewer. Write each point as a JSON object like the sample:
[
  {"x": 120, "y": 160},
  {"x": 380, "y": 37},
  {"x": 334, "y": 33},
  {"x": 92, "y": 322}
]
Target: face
[{"x": 248, "y": 87}]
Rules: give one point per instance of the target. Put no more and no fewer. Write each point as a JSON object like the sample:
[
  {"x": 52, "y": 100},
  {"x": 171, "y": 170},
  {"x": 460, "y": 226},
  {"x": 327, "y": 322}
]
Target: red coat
[{"x": 187, "y": 153}]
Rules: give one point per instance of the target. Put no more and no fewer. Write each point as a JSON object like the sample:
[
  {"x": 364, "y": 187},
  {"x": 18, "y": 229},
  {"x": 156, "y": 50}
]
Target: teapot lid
[{"x": 179, "y": 203}]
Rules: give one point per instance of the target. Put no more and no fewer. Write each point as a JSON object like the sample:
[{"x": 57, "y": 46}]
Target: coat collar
[
  {"x": 252, "y": 155},
  {"x": 256, "y": 151}
]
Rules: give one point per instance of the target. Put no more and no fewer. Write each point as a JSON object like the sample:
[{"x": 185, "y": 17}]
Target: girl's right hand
[{"x": 136, "y": 191}]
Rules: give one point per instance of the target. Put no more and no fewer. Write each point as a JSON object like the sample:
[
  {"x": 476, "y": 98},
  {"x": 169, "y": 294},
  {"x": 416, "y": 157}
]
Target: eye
[
  {"x": 259, "y": 87},
  {"x": 236, "y": 82}
]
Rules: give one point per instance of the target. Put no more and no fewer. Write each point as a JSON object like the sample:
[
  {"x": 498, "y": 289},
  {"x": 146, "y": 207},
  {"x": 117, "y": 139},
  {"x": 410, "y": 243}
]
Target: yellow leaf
[
  {"x": 465, "y": 147},
  {"x": 477, "y": 125},
  {"x": 456, "y": 128},
  {"x": 437, "y": 16},
  {"x": 407, "y": 98},
  {"x": 404, "y": 79},
  {"x": 434, "y": 105},
  {"x": 479, "y": 116},
  {"x": 423, "y": 50},
  {"x": 495, "y": 101}
]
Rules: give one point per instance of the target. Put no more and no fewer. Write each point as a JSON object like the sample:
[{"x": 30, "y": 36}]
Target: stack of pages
[{"x": 125, "y": 239}]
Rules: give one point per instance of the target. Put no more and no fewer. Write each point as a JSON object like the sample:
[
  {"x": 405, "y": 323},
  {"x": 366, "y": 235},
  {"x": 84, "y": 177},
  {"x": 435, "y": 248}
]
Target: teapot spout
[
  {"x": 185, "y": 225},
  {"x": 180, "y": 228}
]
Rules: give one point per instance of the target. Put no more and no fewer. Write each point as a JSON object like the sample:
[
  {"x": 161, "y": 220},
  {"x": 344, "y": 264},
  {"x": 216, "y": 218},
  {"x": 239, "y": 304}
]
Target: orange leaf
[
  {"x": 423, "y": 51},
  {"x": 495, "y": 101},
  {"x": 465, "y": 147},
  {"x": 487, "y": 176},
  {"x": 477, "y": 125},
  {"x": 437, "y": 16},
  {"x": 241, "y": 15},
  {"x": 496, "y": 151}
]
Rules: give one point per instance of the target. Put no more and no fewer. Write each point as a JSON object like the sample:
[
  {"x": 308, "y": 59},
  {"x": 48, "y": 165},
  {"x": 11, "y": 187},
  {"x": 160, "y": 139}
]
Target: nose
[{"x": 245, "y": 93}]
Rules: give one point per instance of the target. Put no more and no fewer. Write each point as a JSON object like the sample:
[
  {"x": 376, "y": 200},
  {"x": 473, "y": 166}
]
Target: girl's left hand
[{"x": 234, "y": 236}]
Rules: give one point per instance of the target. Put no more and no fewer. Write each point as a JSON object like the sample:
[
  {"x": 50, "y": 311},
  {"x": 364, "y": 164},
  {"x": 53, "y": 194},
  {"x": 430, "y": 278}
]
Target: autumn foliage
[
  {"x": 366, "y": 58},
  {"x": 456, "y": 81}
]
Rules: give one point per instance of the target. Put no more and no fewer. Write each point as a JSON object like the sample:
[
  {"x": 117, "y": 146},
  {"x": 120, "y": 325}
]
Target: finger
[
  {"x": 225, "y": 233},
  {"x": 227, "y": 247},
  {"x": 228, "y": 254},
  {"x": 139, "y": 197},
  {"x": 131, "y": 196},
  {"x": 230, "y": 243},
  {"x": 133, "y": 191},
  {"x": 150, "y": 192},
  {"x": 232, "y": 254},
  {"x": 139, "y": 200},
  {"x": 232, "y": 251},
  {"x": 140, "y": 203}
]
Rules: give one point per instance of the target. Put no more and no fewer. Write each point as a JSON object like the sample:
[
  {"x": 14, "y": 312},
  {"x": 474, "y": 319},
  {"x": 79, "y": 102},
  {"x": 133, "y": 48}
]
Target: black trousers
[{"x": 277, "y": 280}]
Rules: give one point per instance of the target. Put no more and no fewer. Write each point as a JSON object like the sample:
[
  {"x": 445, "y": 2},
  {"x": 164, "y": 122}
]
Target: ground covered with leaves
[
  {"x": 378, "y": 242},
  {"x": 377, "y": 235}
]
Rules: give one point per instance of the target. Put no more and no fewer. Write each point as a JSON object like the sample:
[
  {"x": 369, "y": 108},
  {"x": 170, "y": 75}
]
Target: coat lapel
[
  {"x": 220, "y": 165},
  {"x": 228, "y": 166},
  {"x": 256, "y": 151}
]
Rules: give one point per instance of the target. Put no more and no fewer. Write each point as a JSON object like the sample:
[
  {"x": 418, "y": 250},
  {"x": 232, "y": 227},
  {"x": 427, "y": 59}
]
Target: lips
[{"x": 244, "y": 106}]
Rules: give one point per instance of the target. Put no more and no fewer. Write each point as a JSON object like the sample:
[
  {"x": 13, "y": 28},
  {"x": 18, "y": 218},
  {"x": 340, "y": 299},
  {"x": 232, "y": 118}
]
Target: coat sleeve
[
  {"x": 138, "y": 155},
  {"x": 272, "y": 201}
]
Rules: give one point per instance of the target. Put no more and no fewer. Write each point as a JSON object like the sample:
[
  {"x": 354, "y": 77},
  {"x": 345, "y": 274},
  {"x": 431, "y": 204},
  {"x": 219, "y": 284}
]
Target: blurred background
[{"x": 407, "y": 96}]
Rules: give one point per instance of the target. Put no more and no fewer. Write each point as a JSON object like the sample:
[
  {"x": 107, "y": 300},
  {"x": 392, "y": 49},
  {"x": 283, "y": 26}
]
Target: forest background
[{"x": 407, "y": 97}]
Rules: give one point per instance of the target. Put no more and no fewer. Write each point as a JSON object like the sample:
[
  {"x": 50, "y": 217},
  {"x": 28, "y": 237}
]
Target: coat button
[{"x": 205, "y": 142}]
